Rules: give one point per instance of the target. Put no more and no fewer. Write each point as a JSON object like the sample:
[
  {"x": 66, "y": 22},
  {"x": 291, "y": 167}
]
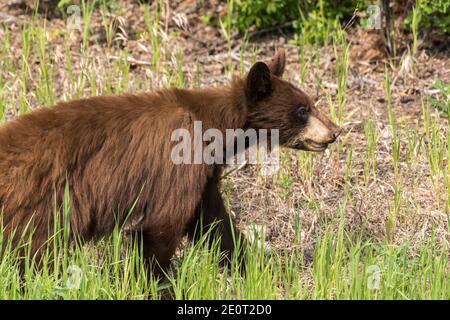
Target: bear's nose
[{"x": 337, "y": 133}]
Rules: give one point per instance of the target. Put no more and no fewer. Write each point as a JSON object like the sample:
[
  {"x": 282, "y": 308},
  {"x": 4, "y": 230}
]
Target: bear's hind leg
[{"x": 157, "y": 251}]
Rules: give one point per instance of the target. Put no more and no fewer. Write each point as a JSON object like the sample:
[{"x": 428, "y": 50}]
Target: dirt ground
[{"x": 276, "y": 203}]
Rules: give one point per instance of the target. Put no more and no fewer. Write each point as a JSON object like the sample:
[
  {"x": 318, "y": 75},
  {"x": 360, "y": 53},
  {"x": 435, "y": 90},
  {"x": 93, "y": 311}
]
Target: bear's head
[{"x": 274, "y": 103}]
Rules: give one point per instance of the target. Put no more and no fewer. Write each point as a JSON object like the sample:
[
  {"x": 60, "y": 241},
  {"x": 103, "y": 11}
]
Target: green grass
[{"x": 340, "y": 269}]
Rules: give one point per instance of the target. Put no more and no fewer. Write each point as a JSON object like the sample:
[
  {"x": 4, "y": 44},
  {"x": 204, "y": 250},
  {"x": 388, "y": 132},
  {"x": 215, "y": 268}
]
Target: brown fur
[{"x": 114, "y": 154}]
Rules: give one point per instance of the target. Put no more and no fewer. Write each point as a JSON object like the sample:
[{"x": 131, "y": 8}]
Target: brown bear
[{"x": 114, "y": 154}]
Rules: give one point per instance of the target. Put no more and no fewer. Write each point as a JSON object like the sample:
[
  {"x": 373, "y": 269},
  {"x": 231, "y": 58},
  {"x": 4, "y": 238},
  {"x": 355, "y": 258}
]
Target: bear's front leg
[{"x": 211, "y": 212}]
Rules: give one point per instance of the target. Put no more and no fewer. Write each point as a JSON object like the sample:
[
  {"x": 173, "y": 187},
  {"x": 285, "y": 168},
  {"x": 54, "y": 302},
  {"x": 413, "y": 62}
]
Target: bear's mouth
[{"x": 316, "y": 146}]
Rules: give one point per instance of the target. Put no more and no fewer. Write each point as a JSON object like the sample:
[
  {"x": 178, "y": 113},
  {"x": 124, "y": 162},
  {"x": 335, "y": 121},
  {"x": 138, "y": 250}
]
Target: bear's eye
[{"x": 302, "y": 113}]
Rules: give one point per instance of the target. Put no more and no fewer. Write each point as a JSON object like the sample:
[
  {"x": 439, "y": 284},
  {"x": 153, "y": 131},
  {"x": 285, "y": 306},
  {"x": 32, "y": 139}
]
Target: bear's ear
[
  {"x": 277, "y": 63},
  {"x": 258, "y": 85}
]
